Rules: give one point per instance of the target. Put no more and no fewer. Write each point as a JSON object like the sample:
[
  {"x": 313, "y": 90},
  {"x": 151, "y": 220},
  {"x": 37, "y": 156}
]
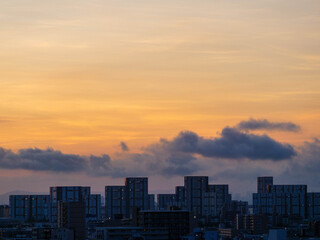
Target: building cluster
[{"x": 196, "y": 210}]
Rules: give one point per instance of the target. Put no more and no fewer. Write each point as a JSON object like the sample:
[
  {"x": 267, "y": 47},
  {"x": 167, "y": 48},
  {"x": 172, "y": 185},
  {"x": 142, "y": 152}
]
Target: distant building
[
  {"x": 94, "y": 211},
  {"x": 71, "y": 215},
  {"x": 132, "y": 233},
  {"x": 177, "y": 222},
  {"x": 152, "y": 203},
  {"x": 313, "y": 200},
  {"x": 30, "y": 207},
  {"x": 181, "y": 197},
  {"x": 263, "y": 183},
  {"x": 115, "y": 201},
  {"x": 281, "y": 200},
  {"x": 216, "y": 197},
  {"x": 74, "y": 194},
  {"x": 204, "y": 199},
  {"x": 277, "y": 234},
  {"x": 4, "y": 211},
  {"x": 195, "y": 190},
  {"x": 136, "y": 194},
  {"x": 121, "y": 200},
  {"x": 253, "y": 223},
  {"x": 166, "y": 200}
]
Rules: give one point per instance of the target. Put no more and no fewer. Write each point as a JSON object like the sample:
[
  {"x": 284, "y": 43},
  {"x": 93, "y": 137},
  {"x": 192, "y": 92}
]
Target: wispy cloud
[{"x": 264, "y": 124}]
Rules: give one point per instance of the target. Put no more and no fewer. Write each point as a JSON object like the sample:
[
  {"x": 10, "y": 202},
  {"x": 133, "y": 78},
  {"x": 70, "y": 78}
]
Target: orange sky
[{"x": 81, "y": 76}]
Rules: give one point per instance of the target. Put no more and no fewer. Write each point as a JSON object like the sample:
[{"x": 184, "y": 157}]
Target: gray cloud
[
  {"x": 233, "y": 144},
  {"x": 263, "y": 124},
  {"x": 41, "y": 160},
  {"x": 185, "y": 154},
  {"x": 124, "y": 146}
]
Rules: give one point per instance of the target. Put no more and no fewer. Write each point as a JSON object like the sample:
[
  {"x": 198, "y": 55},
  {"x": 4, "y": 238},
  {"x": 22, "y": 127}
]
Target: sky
[{"x": 93, "y": 91}]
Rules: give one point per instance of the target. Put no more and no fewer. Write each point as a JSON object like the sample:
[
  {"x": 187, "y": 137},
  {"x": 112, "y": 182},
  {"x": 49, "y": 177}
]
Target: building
[
  {"x": 72, "y": 215},
  {"x": 195, "y": 190},
  {"x": 68, "y": 194},
  {"x": 277, "y": 234},
  {"x": 136, "y": 194},
  {"x": 152, "y": 203},
  {"x": 252, "y": 223},
  {"x": 30, "y": 207},
  {"x": 176, "y": 222},
  {"x": 115, "y": 201},
  {"x": 181, "y": 197},
  {"x": 94, "y": 211},
  {"x": 215, "y": 199},
  {"x": 263, "y": 183},
  {"x": 133, "y": 233},
  {"x": 313, "y": 200},
  {"x": 4, "y": 211},
  {"x": 288, "y": 200},
  {"x": 166, "y": 200},
  {"x": 204, "y": 199},
  {"x": 120, "y": 200}
]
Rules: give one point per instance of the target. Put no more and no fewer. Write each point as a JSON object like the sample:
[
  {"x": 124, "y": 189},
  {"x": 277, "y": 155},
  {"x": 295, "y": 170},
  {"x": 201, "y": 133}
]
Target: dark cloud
[
  {"x": 263, "y": 124},
  {"x": 124, "y": 147},
  {"x": 185, "y": 154},
  {"x": 41, "y": 160},
  {"x": 233, "y": 144}
]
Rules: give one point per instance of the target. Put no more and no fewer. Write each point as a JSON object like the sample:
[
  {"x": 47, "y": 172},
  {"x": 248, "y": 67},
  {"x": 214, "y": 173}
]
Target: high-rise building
[
  {"x": 195, "y": 190},
  {"x": 181, "y": 197},
  {"x": 263, "y": 183},
  {"x": 115, "y": 201},
  {"x": 166, "y": 200},
  {"x": 313, "y": 206},
  {"x": 72, "y": 215},
  {"x": 290, "y": 200},
  {"x": 151, "y": 202},
  {"x": 68, "y": 194},
  {"x": 120, "y": 200},
  {"x": 94, "y": 211},
  {"x": 136, "y": 194},
  {"x": 30, "y": 207},
  {"x": 215, "y": 198}
]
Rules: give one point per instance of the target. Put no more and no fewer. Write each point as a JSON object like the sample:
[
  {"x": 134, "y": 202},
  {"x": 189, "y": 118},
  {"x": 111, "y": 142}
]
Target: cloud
[
  {"x": 124, "y": 147},
  {"x": 233, "y": 144},
  {"x": 41, "y": 160},
  {"x": 263, "y": 124},
  {"x": 186, "y": 154}
]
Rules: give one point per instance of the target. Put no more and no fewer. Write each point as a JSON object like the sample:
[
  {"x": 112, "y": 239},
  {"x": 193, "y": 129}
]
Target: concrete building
[
  {"x": 215, "y": 198},
  {"x": 115, "y": 201},
  {"x": 120, "y": 200},
  {"x": 181, "y": 197},
  {"x": 177, "y": 223},
  {"x": 4, "y": 211},
  {"x": 94, "y": 211},
  {"x": 133, "y": 233},
  {"x": 195, "y": 191},
  {"x": 165, "y": 201},
  {"x": 313, "y": 201},
  {"x": 252, "y": 223},
  {"x": 68, "y": 194},
  {"x": 263, "y": 183},
  {"x": 71, "y": 215},
  {"x": 277, "y": 234},
  {"x": 152, "y": 203},
  {"x": 30, "y": 207},
  {"x": 136, "y": 194}
]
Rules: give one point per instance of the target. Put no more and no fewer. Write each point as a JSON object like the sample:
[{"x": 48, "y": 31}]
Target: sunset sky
[{"x": 80, "y": 77}]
